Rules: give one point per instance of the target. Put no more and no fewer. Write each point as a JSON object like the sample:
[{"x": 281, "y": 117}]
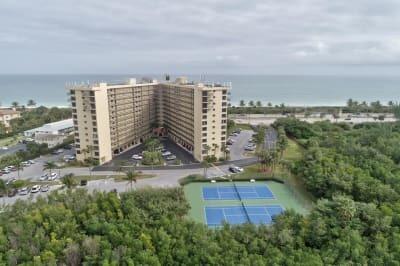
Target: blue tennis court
[
  {"x": 216, "y": 216},
  {"x": 238, "y": 193}
]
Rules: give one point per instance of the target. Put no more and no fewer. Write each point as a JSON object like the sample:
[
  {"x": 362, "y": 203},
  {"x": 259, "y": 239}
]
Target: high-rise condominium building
[{"x": 111, "y": 118}]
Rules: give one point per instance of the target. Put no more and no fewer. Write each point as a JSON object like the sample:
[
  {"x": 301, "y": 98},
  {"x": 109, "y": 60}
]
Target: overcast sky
[{"x": 200, "y": 36}]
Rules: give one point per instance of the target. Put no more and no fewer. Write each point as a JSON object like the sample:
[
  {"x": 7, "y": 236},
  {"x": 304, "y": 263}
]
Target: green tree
[
  {"x": 31, "y": 103},
  {"x": 15, "y": 104},
  {"x": 242, "y": 103},
  {"x": 68, "y": 180},
  {"x": 251, "y": 103},
  {"x": 49, "y": 166},
  {"x": 18, "y": 165},
  {"x": 132, "y": 177},
  {"x": 282, "y": 142},
  {"x": 259, "y": 104}
]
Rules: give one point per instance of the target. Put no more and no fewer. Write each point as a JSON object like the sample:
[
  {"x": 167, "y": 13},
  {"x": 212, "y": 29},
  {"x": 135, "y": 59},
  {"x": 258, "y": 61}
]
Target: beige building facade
[
  {"x": 112, "y": 118},
  {"x": 6, "y": 115}
]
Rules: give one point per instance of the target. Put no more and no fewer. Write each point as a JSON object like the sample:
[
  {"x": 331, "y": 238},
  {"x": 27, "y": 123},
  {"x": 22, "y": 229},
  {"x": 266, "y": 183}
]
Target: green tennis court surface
[{"x": 216, "y": 203}]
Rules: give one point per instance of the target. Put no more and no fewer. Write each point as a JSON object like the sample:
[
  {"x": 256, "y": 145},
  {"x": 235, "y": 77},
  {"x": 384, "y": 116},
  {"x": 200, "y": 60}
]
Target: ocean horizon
[{"x": 292, "y": 90}]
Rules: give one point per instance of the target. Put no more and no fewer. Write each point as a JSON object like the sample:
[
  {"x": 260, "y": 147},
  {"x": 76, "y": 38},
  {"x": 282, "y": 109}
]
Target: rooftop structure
[{"x": 55, "y": 128}]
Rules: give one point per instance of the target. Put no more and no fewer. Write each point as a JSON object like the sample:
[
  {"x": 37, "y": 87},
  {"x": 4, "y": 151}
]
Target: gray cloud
[{"x": 193, "y": 36}]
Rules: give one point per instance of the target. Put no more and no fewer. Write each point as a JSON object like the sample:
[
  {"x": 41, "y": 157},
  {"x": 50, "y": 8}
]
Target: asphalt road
[
  {"x": 13, "y": 149},
  {"x": 271, "y": 137},
  {"x": 162, "y": 179},
  {"x": 181, "y": 154},
  {"x": 237, "y": 151}
]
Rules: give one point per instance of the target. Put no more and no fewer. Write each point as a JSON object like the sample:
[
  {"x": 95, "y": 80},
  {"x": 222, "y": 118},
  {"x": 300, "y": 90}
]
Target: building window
[
  {"x": 204, "y": 123},
  {"x": 204, "y": 128},
  {"x": 204, "y": 134}
]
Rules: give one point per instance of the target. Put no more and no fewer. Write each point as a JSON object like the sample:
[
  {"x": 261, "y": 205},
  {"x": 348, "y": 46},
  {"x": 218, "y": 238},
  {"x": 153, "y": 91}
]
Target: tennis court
[
  {"x": 237, "y": 192},
  {"x": 216, "y": 216}
]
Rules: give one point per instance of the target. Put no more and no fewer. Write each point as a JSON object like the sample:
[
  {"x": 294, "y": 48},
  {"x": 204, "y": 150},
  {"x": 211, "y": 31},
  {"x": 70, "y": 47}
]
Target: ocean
[{"x": 49, "y": 90}]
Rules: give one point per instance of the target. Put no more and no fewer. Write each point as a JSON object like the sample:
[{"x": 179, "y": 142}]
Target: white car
[
  {"x": 166, "y": 153},
  {"x": 4, "y": 148},
  {"x": 44, "y": 177},
  {"x": 23, "y": 191},
  {"x": 45, "y": 188},
  {"x": 53, "y": 176},
  {"x": 68, "y": 158},
  {"x": 170, "y": 157},
  {"x": 35, "y": 189},
  {"x": 137, "y": 157}
]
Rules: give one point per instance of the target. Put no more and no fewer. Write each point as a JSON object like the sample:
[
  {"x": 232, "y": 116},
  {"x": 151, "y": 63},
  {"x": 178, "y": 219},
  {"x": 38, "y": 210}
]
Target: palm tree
[
  {"x": 15, "y": 104},
  {"x": 132, "y": 177},
  {"x": 49, "y": 166},
  {"x": 18, "y": 165},
  {"x": 31, "y": 103},
  {"x": 68, "y": 180},
  {"x": 88, "y": 151},
  {"x": 3, "y": 189},
  {"x": 242, "y": 103},
  {"x": 207, "y": 148},
  {"x": 205, "y": 163},
  {"x": 282, "y": 142},
  {"x": 259, "y": 104},
  {"x": 225, "y": 150},
  {"x": 215, "y": 147}
]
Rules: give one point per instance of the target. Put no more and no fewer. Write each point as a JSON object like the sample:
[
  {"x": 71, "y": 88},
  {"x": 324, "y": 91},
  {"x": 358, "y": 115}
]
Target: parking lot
[
  {"x": 34, "y": 171},
  {"x": 181, "y": 155},
  {"x": 237, "y": 149}
]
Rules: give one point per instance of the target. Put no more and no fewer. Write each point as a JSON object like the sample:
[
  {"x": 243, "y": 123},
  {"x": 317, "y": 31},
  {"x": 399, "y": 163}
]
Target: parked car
[
  {"x": 23, "y": 191},
  {"x": 45, "y": 188},
  {"x": 235, "y": 169},
  {"x": 59, "y": 151},
  {"x": 83, "y": 182},
  {"x": 32, "y": 161},
  {"x": 166, "y": 153},
  {"x": 53, "y": 176},
  {"x": 44, "y": 177},
  {"x": 35, "y": 189},
  {"x": 170, "y": 157},
  {"x": 12, "y": 192},
  {"x": 137, "y": 157},
  {"x": 250, "y": 147},
  {"x": 69, "y": 158}
]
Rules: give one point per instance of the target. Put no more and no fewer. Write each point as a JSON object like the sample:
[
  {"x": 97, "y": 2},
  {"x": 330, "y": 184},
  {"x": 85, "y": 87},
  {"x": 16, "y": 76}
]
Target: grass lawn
[
  {"x": 293, "y": 152},
  {"x": 10, "y": 141}
]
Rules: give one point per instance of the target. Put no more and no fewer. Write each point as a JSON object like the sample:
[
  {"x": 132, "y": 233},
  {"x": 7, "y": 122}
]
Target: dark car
[
  {"x": 83, "y": 182},
  {"x": 12, "y": 192}
]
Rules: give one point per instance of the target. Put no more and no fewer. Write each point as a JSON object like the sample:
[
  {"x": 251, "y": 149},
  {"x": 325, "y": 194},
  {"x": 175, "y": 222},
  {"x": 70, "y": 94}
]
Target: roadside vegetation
[
  {"x": 352, "y": 172},
  {"x": 351, "y": 106},
  {"x": 32, "y": 118}
]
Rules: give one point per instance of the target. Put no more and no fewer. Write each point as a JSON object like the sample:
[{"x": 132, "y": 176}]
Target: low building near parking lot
[
  {"x": 49, "y": 139},
  {"x": 63, "y": 127},
  {"x": 51, "y": 134}
]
